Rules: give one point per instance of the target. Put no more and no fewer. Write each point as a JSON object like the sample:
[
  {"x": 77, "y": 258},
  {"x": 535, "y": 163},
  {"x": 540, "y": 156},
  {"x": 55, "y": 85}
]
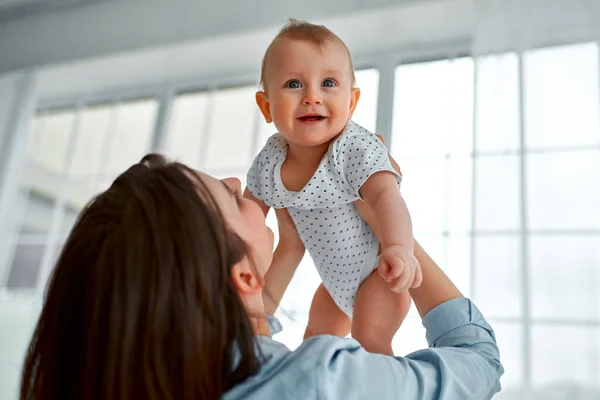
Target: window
[
  {"x": 72, "y": 155},
  {"x": 432, "y": 140},
  {"x": 510, "y": 200},
  {"x": 562, "y": 159}
]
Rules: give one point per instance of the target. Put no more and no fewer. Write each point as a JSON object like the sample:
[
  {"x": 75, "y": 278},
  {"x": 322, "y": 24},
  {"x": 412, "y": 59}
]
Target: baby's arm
[
  {"x": 394, "y": 230},
  {"x": 382, "y": 195},
  {"x": 286, "y": 258}
]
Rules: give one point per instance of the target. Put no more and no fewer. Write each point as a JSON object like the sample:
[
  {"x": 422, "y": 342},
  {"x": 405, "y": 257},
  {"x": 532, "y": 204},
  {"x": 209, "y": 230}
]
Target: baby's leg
[
  {"x": 378, "y": 313},
  {"x": 325, "y": 317}
]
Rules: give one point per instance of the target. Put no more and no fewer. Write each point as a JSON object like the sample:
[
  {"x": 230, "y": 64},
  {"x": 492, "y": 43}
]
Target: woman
[{"x": 158, "y": 295}]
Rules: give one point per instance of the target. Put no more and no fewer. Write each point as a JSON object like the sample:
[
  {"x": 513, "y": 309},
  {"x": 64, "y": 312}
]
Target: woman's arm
[
  {"x": 436, "y": 288},
  {"x": 462, "y": 361}
]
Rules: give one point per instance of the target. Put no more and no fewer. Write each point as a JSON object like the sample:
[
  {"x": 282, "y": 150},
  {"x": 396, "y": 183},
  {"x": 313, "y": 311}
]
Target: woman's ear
[
  {"x": 265, "y": 107},
  {"x": 245, "y": 279}
]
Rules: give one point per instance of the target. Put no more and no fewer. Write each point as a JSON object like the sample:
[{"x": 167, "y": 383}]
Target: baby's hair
[{"x": 303, "y": 30}]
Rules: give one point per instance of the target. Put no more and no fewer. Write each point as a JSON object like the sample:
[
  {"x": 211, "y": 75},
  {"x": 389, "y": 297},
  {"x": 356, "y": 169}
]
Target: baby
[{"x": 323, "y": 168}]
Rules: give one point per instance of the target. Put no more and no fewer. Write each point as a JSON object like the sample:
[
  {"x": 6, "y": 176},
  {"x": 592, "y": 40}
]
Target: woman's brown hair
[{"x": 141, "y": 304}]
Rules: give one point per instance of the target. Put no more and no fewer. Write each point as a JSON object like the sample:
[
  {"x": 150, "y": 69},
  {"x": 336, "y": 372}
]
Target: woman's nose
[{"x": 233, "y": 183}]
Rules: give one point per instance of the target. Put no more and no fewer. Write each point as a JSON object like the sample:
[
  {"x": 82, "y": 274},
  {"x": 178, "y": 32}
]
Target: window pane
[
  {"x": 438, "y": 193},
  {"x": 132, "y": 135},
  {"x": 565, "y": 277},
  {"x": 457, "y": 264},
  {"x": 458, "y": 185},
  {"x": 94, "y": 128},
  {"x": 435, "y": 246},
  {"x": 187, "y": 128},
  {"x": 563, "y": 190},
  {"x": 44, "y": 169},
  {"x": 498, "y": 276},
  {"x": 497, "y": 103},
  {"x": 25, "y": 266},
  {"x": 232, "y": 128},
  {"x": 367, "y": 80},
  {"x": 47, "y": 153},
  {"x": 423, "y": 190},
  {"x": 34, "y": 212},
  {"x": 565, "y": 354},
  {"x": 433, "y": 108},
  {"x": 510, "y": 341},
  {"x": 561, "y": 96},
  {"x": 497, "y": 201}
]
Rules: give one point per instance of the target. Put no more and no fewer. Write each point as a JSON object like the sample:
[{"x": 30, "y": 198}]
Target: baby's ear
[
  {"x": 264, "y": 105},
  {"x": 354, "y": 97}
]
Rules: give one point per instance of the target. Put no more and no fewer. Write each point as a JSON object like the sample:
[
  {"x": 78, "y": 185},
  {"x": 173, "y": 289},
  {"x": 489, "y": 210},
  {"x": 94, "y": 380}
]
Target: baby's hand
[{"x": 399, "y": 267}]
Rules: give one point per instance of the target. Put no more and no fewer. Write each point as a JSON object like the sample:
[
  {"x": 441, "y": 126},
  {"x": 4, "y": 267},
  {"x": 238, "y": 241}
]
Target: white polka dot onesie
[{"x": 342, "y": 245}]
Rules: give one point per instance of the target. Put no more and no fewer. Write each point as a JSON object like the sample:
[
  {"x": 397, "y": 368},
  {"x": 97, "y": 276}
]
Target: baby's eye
[
  {"x": 328, "y": 83},
  {"x": 294, "y": 84}
]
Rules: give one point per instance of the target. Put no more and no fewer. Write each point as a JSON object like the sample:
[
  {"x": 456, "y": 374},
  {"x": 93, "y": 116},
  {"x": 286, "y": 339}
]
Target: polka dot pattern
[{"x": 342, "y": 246}]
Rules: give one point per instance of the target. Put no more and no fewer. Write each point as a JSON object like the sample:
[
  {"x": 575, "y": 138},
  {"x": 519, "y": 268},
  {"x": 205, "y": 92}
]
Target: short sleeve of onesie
[
  {"x": 259, "y": 177},
  {"x": 359, "y": 156}
]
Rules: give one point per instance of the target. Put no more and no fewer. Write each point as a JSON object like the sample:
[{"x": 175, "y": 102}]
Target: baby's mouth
[{"x": 311, "y": 118}]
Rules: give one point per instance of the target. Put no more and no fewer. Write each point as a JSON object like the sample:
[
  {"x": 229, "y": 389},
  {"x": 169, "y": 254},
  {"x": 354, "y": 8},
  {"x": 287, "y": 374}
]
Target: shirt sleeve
[
  {"x": 461, "y": 363},
  {"x": 360, "y": 156}
]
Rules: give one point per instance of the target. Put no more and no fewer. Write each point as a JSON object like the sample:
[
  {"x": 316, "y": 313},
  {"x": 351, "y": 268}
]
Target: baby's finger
[
  {"x": 403, "y": 282},
  {"x": 397, "y": 268},
  {"x": 384, "y": 271},
  {"x": 418, "y": 277}
]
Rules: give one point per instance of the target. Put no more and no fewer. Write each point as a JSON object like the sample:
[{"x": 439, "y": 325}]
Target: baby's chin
[{"x": 313, "y": 137}]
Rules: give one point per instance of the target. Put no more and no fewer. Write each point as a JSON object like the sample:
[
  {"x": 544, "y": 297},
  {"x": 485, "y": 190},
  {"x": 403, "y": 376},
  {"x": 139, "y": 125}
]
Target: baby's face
[{"x": 309, "y": 90}]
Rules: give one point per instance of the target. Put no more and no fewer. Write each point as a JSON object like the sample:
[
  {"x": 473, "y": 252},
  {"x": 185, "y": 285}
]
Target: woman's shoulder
[
  {"x": 300, "y": 372},
  {"x": 311, "y": 352},
  {"x": 326, "y": 345},
  {"x": 314, "y": 358}
]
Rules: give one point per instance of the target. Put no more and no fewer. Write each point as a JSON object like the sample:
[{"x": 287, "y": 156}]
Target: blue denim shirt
[{"x": 462, "y": 362}]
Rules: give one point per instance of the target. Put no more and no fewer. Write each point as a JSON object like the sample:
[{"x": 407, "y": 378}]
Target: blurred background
[{"x": 491, "y": 107}]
